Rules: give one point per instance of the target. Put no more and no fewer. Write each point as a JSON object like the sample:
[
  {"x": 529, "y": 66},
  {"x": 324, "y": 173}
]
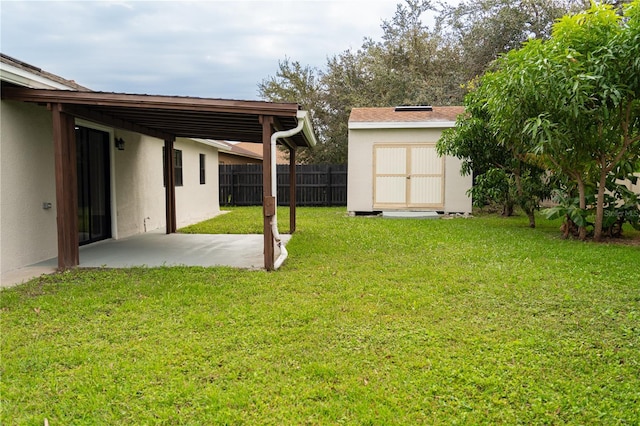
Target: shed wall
[{"x": 360, "y": 185}]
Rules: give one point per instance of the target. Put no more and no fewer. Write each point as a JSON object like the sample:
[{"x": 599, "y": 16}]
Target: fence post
[
  {"x": 329, "y": 189},
  {"x": 234, "y": 181}
]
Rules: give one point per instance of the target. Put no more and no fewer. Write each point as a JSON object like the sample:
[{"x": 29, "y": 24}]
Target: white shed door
[{"x": 408, "y": 176}]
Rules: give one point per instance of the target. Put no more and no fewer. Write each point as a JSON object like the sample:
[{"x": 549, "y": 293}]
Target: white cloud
[{"x": 198, "y": 48}]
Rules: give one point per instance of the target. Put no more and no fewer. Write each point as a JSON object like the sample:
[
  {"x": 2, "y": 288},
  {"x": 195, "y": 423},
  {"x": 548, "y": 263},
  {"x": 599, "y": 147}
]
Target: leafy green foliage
[
  {"x": 570, "y": 104},
  {"x": 503, "y": 172},
  {"x": 413, "y": 63},
  {"x": 621, "y": 206},
  {"x": 487, "y": 29},
  {"x": 370, "y": 321},
  {"x": 569, "y": 209},
  {"x": 587, "y": 107},
  {"x": 473, "y": 140},
  {"x": 494, "y": 186}
]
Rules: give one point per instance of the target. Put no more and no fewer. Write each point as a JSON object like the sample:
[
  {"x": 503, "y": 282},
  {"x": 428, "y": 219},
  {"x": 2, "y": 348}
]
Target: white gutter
[
  {"x": 362, "y": 125},
  {"x": 302, "y": 119}
]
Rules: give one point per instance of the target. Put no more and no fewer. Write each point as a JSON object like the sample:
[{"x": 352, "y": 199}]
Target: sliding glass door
[{"x": 94, "y": 194}]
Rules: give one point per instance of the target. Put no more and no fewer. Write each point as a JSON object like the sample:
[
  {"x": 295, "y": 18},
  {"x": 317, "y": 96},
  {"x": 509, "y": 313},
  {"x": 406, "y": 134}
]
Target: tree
[
  {"x": 572, "y": 102},
  {"x": 413, "y": 63},
  {"x": 410, "y": 65},
  {"x": 489, "y": 28},
  {"x": 503, "y": 171},
  {"x": 299, "y": 84},
  {"x": 590, "y": 95}
]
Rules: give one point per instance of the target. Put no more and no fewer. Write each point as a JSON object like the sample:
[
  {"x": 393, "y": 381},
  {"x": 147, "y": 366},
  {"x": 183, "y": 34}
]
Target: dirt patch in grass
[{"x": 625, "y": 241}]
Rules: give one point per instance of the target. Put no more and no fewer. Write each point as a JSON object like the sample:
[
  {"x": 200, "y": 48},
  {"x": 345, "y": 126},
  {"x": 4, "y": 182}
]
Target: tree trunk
[
  {"x": 529, "y": 212},
  {"x": 582, "y": 230},
  {"x": 568, "y": 227},
  {"x": 532, "y": 218},
  {"x": 597, "y": 227},
  {"x": 507, "y": 209}
]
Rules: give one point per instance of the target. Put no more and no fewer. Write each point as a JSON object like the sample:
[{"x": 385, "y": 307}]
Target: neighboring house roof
[
  {"x": 256, "y": 150},
  {"x": 238, "y": 150},
  {"x": 244, "y": 150},
  {"x": 404, "y": 117},
  {"x": 22, "y": 74}
]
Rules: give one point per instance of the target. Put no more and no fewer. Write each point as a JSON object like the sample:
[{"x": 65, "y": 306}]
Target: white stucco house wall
[
  {"x": 123, "y": 184},
  {"x": 394, "y": 166}
]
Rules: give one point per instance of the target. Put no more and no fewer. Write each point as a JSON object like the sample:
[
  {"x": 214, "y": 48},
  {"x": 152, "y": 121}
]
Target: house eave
[
  {"x": 211, "y": 142},
  {"x": 20, "y": 77},
  {"x": 370, "y": 125}
]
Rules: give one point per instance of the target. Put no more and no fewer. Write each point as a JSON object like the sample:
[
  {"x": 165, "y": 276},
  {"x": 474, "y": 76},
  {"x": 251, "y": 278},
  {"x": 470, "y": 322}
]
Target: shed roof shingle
[{"x": 378, "y": 115}]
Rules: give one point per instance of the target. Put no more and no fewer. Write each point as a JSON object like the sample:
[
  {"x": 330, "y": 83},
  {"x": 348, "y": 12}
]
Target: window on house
[
  {"x": 177, "y": 165},
  {"x": 202, "y": 170}
]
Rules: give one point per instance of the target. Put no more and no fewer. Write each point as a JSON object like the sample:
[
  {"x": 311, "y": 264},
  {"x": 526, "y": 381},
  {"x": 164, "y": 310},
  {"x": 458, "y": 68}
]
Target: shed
[{"x": 394, "y": 165}]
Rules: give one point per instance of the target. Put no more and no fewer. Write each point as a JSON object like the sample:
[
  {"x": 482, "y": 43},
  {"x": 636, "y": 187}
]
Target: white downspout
[{"x": 274, "y": 188}]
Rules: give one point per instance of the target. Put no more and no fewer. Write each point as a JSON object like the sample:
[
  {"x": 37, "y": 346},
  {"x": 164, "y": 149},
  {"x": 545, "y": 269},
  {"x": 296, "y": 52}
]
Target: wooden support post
[
  {"x": 66, "y": 175},
  {"x": 292, "y": 190},
  {"x": 267, "y": 195},
  {"x": 170, "y": 187}
]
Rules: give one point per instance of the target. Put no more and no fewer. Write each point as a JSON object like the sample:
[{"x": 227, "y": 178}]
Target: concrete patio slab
[
  {"x": 155, "y": 249},
  {"x": 19, "y": 276}
]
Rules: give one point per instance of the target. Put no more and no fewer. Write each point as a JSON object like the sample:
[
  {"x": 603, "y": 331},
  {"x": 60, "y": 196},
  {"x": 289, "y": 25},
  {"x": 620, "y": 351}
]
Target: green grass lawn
[{"x": 370, "y": 321}]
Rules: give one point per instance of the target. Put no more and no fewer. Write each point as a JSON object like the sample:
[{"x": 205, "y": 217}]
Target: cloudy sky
[{"x": 215, "y": 48}]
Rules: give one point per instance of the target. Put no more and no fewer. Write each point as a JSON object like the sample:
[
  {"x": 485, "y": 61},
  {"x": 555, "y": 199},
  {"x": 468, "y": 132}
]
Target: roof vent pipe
[
  {"x": 274, "y": 186},
  {"x": 402, "y": 108}
]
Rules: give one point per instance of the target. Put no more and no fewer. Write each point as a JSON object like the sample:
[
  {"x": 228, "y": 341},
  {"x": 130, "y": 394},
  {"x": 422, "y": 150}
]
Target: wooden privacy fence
[{"x": 316, "y": 185}]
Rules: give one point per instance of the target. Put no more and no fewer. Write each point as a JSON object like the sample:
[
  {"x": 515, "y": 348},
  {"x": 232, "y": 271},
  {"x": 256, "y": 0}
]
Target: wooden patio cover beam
[
  {"x": 269, "y": 202},
  {"x": 103, "y": 99},
  {"x": 170, "y": 187},
  {"x": 64, "y": 143},
  {"x": 168, "y": 117}
]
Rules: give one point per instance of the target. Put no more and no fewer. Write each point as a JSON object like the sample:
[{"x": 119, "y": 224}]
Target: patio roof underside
[{"x": 168, "y": 117}]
